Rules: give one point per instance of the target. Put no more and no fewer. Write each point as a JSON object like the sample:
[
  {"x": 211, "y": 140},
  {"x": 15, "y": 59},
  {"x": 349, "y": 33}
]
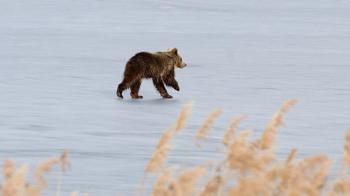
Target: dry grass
[
  {"x": 247, "y": 167},
  {"x": 15, "y": 179},
  {"x": 159, "y": 156},
  {"x": 268, "y": 138},
  {"x": 250, "y": 167},
  {"x": 203, "y": 131},
  {"x": 230, "y": 132},
  {"x": 183, "y": 117}
]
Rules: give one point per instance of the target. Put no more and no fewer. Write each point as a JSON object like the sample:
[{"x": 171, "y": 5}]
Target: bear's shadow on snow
[{"x": 155, "y": 101}]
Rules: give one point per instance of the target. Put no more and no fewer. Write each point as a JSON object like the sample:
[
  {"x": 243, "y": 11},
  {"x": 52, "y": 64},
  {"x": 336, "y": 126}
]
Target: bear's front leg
[
  {"x": 173, "y": 83},
  {"x": 158, "y": 83},
  {"x": 169, "y": 80}
]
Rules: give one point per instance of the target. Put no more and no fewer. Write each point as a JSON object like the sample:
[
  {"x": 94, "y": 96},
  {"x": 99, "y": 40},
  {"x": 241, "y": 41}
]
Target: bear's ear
[{"x": 174, "y": 50}]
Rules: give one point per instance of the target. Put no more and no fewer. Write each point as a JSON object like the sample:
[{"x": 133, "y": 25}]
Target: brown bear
[{"x": 160, "y": 66}]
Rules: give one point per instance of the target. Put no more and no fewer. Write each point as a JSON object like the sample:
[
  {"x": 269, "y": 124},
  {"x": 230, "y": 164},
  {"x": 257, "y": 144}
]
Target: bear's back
[{"x": 149, "y": 64}]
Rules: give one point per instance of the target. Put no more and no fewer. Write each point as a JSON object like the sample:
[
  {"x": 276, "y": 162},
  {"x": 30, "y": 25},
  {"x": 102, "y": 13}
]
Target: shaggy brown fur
[{"x": 159, "y": 66}]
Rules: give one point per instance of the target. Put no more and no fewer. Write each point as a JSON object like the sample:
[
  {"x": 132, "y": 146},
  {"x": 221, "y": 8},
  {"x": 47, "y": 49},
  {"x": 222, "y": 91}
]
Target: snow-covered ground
[{"x": 60, "y": 62}]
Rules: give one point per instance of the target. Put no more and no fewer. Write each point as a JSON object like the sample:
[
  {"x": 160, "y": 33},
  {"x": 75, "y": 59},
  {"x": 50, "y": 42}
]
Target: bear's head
[{"x": 177, "y": 59}]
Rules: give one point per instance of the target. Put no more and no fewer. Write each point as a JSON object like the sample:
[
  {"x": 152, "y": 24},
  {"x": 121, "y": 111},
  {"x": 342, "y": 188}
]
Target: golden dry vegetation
[
  {"x": 16, "y": 183},
  {"x": 248, "y": 167}
]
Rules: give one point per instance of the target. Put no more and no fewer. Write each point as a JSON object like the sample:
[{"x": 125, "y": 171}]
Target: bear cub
[{"x": 159, "y": 66}]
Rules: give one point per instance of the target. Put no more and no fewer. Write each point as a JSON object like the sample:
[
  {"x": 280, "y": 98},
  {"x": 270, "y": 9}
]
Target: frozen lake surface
[{"x": 60, "y": 62}]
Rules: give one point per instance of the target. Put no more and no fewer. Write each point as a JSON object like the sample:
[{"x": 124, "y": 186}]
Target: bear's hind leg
[
  {"x": 123, "y": 86},
  {"x": 135, "y": 87},
  {"x": 158, "y": 83}
]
